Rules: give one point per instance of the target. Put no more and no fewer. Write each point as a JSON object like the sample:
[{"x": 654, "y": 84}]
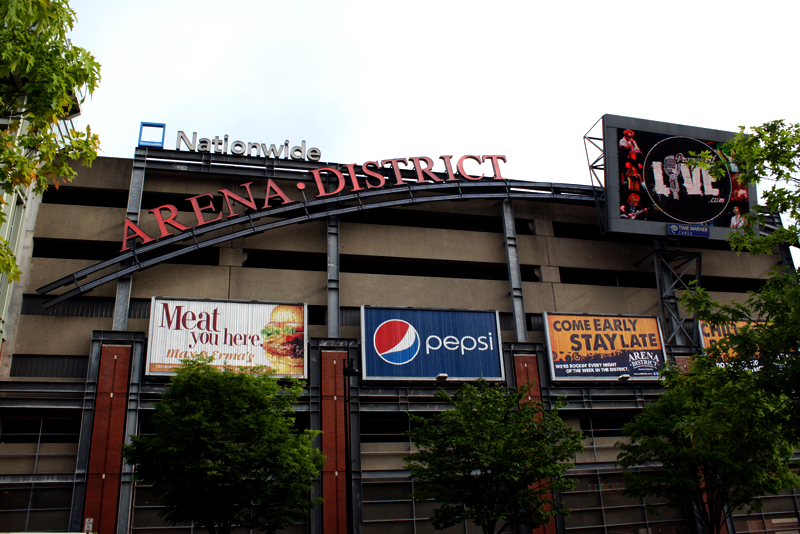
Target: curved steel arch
[{"x": 130, "y": 262}]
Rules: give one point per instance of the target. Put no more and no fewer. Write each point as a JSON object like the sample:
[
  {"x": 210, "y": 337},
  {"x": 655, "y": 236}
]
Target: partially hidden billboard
[
  {"x": 421, "y": 344},
  {"x": 711, "y": 335},
  {"x": 603, "y": 347},
  {"x": 233, "y": 333},
  {"x": 655, "y": 185}
]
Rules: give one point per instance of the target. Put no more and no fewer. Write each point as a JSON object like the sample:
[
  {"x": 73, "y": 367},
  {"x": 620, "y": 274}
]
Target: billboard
[
  {"x": 233, "y": 333},
  {"x": 654, "y": 185},
  {"x": 711, "y": 335},
  {"x": 603, "y": 347},
  {"x": 420, "y": 344}
]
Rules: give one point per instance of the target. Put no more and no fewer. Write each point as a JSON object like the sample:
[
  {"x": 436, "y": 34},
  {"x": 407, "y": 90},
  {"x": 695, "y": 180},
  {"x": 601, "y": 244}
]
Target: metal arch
[{"x": 317, "y": 209}]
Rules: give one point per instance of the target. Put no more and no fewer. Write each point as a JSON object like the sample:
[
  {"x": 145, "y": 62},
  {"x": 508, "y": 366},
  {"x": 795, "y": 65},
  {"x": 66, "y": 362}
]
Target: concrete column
[
  {"x": 123, "y": 298},
  {"x": 514, "y": 273},
  {"x": 334, "y": 329}
]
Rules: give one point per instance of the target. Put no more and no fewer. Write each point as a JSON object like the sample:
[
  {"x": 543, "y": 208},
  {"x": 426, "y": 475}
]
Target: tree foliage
[
  {"x": 496, "y": 457},
  {"x": 711, "y": 444},
  {"x": 225, "y": 452},
  {"x": 41, "y": 74},
  {"x": 768, "y": 155}
]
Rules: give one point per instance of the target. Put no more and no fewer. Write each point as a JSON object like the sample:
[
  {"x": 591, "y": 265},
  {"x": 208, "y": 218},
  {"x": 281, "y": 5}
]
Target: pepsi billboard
[{"x": 419, "y": 344}]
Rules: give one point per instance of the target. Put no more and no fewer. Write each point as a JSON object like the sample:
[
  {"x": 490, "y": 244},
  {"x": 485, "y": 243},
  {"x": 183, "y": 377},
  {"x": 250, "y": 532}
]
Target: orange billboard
[{"x": 603, "y": 347}]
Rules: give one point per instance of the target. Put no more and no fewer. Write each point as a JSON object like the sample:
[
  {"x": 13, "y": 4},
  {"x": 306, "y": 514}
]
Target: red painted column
[
  {"x": 526, "y": 368},
  {"x": 108, "y": 435},
  {"x": 333, "y": 411}
]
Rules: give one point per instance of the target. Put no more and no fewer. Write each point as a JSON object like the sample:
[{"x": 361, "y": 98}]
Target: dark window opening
[
  {"x": 76, "y": 196},
  {"x": 377, "y": 427},
  {"x": 39, "y": 429},
  {"x": 83, "y": 307},
  {"x": 597, "y": 277},
  {"x": 38, "y": 365},
  {"x": 104, "y": 250},
  {"x": 433, "y": 268}
]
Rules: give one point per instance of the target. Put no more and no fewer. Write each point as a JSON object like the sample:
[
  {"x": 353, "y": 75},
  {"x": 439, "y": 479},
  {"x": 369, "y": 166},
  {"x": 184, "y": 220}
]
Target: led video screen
[{"x": 655, "y": 185}]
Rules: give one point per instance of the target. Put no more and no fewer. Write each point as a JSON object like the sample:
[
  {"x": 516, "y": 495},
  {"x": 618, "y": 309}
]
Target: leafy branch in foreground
[
  {"x": 42, "y": 76},
  {"x": 711, "y": 444},
  {"x": 495, "y": 458}
]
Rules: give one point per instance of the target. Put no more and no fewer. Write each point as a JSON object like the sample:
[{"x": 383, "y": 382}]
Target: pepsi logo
[{"x": 396, "y": 342}]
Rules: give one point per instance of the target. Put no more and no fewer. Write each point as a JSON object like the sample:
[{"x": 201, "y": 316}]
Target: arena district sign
[{"x": 373, "y": 179}]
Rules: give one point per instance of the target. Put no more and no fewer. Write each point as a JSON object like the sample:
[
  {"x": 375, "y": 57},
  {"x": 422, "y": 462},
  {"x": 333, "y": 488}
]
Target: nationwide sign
[
  {"x": 603, "y": 347},
  {"x": 232, "y": 333},
  {"x": 151, "y": 134},
  {"x": 328, "y": 181},
  {"x": 418, "y": 344}
]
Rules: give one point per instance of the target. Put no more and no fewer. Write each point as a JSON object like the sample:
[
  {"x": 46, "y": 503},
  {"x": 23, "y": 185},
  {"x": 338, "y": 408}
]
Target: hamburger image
[{"x": 283, "y": 340}]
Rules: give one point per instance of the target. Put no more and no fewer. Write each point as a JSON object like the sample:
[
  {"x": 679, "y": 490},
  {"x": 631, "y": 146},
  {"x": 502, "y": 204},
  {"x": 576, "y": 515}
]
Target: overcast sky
[{"x": 372, "y": 80}]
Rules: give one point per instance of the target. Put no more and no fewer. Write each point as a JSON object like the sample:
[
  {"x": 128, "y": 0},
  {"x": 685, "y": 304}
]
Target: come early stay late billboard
[{"x": 603, "y": 347}]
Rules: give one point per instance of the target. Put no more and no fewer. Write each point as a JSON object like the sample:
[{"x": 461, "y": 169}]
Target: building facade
[{"x": 72, "y": 374}]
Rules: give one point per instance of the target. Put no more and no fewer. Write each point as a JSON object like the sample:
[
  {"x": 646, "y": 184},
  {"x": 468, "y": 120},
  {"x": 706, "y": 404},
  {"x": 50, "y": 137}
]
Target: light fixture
[
  {"x": 623, "y": 378},
  {"x": 441, "y": 378}
]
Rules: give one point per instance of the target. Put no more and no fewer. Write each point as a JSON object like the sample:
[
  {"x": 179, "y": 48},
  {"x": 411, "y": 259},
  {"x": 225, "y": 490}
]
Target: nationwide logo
[{"x": 396, "y": 342}]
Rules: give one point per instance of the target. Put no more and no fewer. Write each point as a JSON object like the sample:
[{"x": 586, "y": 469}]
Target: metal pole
[
  {"x": 334, "y": 329},
  {"x": 123, "y": 298},
  {"x": 514, "y": 273}
]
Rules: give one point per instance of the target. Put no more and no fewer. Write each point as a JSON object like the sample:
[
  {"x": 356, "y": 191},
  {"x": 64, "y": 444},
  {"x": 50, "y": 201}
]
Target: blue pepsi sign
[{"x": 417, "y": 344}]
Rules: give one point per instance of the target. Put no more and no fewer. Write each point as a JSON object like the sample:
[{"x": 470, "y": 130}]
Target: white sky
[{"x": 372, "y": 80}]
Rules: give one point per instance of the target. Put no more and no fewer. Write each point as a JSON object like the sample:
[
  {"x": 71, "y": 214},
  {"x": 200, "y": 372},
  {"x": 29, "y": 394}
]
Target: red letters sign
[{"x": 206, "y": 213}]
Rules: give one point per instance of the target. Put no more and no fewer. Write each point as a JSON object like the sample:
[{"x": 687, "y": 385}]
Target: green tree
[
  {"x": 42, "y": 76},
  {"x": 767, "y": 155},
  {"x": 496, "y": 457},
  {"x": 225, "y": 452},
  {"x": 711, "y": 444}
]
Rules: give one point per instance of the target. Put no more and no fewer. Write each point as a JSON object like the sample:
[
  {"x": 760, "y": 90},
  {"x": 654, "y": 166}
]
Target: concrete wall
[{"x": 232, "y": 279}]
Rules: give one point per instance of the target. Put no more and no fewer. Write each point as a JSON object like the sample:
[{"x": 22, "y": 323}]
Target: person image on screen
[
  {"x": 628, "y": 144},
  {"x": 632, "y": 211},
  {"x": 633, "y": 178},
  {"x": 737, "y": 221}
]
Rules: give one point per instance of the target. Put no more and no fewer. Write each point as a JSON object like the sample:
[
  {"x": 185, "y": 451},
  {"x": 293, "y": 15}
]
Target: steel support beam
[
  {"x": 334, "y": 329},
  {"x": 673, "y": 273},
  {"x": 123, "y": 297},
  {"x": 514, "y": 272},
  {"x": 299, "y": 212}
]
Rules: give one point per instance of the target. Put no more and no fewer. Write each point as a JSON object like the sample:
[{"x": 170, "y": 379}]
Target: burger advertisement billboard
[
  {"x": 419, "y": 344},
  {"x": 603, "y": 347},
  {"x": 233, "y": 333},
  {"x": 655, "y": 184}
]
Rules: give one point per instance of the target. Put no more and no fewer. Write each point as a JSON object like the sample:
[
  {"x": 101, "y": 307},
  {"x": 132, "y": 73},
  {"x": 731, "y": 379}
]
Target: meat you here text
[{"x": 205, "y": 211}]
